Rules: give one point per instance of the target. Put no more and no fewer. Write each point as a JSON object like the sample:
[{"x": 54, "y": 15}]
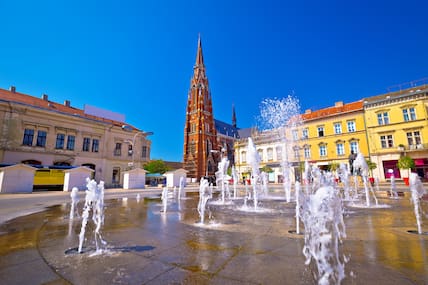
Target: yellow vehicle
[{"x": 49, "y": 178}]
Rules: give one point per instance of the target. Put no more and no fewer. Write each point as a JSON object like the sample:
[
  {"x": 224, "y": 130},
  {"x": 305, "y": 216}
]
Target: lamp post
[{"x": 132, "y": 143}]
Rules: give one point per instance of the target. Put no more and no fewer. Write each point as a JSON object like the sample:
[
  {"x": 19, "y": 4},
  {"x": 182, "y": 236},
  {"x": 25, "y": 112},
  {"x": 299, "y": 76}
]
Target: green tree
[
  {"x": 266, "y": 169},
  {"x": 156, "y": 166},
  {"x": 406, "y": 162},
  {"x": 371, "y": 166}
]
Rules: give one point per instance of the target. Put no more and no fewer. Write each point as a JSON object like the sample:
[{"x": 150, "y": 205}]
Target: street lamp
[{"x": 132, "y": 143}]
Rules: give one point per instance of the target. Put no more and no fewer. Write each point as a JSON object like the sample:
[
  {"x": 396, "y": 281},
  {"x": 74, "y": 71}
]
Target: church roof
[{"x": 226, "y": 129}]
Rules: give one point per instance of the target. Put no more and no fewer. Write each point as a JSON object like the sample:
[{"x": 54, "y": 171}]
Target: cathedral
[{"x": 206, "y": 140}]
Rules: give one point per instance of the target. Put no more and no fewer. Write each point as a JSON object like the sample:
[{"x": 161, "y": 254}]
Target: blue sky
[{"x": 136, "y": 57}]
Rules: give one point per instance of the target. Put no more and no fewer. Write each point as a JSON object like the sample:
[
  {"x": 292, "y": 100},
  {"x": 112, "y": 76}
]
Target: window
[
  {"x": 354, "y": 147},
  {"x": 41, "y": 138},
  {"x": 351, "y": 126},
  {"x": 296, "y": 153},
  {"x": 28, "y": 137},
  {"x": 243, "y": 156},
  {"x": 386, "y": 141},
  {"x": 118, "y": 149},
  {"x": 340, "y": 149},
  {"x": 305, "y": 133},
  {"x": 413, "y": 138},
  {"x": 270, "y": 154},
  {"x": 279, "y": 153},
  {"x": 383, "y": 118},
  {"x": 130, "y": 150},
  {"x": 86, "y": 144},
  {"x": 95, "y": 145},
  {"x": 60, "y": 138},
  {"x": 321, "y": 131},
  {"x": 144, "y": 151},
  {"x": 337, "y": 128},
  {"x": 295, "y": 135},
  {"x": 409, "y": 114},
  {"x": 307, "y": 152},
  {"x": 70, "y": 142},
  {"x": 260, "y": 152},
  {"x": 323, "y": 150}
]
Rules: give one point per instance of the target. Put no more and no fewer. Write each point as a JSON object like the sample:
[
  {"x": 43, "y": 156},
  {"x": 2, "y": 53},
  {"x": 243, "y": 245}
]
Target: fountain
[
  {"x": 322, "y": 217},
  {"x": 222, "y": 178},
  {"x": 281, "y": 115},
  {"x": 74, "y": 201},
  {"x": 361, "y": 167},
  {"x": 254, "y": 161},
  {"x": 344, "y": 178},
  {"x": 393, "y": 189},
  {"x": 164, "y": 198},
  {"x": 417, "y": 191},
  {"x": 297, "y": 190},
  {"x": 205, "y": 194},
  {"x": 94, "y": 201},
  {"x": 235, "y": 181}
]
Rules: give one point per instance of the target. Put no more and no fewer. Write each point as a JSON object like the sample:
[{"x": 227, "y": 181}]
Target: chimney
[
  {"x": 338, "y": 104},
  {"x": 67, "y": 103},
  {"x": 45, "y": 97},
  {"x": 308, "y": 111},
  {"x": 12, "y": 89}
]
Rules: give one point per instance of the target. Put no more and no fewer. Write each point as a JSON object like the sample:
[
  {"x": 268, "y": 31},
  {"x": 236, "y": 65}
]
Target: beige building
[{"x": 47, "y": 134}]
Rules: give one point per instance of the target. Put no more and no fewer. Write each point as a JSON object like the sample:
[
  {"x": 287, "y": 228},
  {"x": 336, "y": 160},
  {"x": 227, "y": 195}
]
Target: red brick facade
[{"x": 200, "y": 138}]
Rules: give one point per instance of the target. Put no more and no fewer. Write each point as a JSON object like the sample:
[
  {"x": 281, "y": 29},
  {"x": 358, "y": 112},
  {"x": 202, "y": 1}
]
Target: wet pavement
[{"x": 148, "y": 246}]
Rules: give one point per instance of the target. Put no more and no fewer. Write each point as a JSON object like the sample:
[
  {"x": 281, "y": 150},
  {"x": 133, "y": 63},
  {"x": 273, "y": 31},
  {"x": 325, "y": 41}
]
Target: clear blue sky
[{"x": 136, "y": 57}]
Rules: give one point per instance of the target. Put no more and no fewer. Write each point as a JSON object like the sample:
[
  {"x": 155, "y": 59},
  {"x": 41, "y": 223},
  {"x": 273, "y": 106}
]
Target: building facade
[
  {"x": 323, "y": 137},
  {"x": 200, "y": 150},
  {"x": 44, "y": 133},
  {"x": 397, "y": 125}
]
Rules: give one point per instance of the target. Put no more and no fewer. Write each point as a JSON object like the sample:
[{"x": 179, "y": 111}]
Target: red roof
[
  {"x": 332, "y": 111},
  {"x": 51, "y": 106}
]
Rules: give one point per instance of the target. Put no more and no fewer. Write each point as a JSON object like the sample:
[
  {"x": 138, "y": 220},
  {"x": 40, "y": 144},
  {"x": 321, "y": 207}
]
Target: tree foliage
[{"x": 156, "y": 166}]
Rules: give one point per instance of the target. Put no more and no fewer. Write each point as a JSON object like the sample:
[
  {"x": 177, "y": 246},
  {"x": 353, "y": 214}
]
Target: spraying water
[
  {"x": 417, "y": 190},
  {"x": 74, "y": 201},
  {"x": 205, "y": 194},
  {"x": 222, "y": 178},
  {"x": 281, "y": 115},
  {"x": 94, "y": 201},
  {"x": 324, "y": 229},
  {"x": 164, "y": 198},
  {"x": 360, "y": 166},
  {"x": 235, "y": 181},
  {"x": 297, "y": 190},
  {"x": 254, "y": 161}
]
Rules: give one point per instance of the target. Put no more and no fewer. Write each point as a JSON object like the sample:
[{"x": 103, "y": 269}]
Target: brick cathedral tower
[{"x": 200, "y": 138}]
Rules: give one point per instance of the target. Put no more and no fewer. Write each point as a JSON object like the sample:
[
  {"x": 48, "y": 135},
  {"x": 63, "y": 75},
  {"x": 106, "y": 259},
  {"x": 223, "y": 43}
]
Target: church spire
[
  {"x": 233, "y": 116},
  {"x": 199, "y": 55}
]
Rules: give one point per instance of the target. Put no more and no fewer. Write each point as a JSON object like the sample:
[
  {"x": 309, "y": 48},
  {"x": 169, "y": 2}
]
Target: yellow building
[
  {"x": 328, "y": 136},
  {"x": 397, "y": 124}
]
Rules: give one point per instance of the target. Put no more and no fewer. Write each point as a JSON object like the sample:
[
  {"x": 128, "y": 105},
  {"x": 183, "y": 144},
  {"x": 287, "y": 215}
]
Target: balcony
[{"x": 414, "y": 147}]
